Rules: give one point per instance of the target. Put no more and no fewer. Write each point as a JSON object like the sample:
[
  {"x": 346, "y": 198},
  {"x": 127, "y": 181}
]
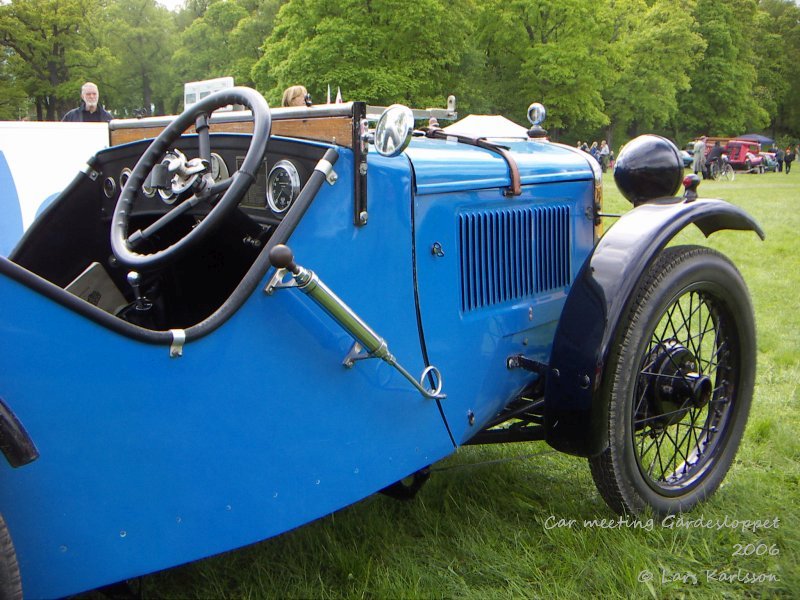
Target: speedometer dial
[{"x": 283, "y": 186}]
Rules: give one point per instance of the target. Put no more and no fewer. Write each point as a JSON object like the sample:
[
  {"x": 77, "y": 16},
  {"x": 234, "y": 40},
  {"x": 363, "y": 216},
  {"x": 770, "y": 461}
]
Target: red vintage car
[{"x": 745, "y": 155}]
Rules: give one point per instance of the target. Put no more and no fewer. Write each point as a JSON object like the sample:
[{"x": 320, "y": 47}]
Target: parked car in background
[
  {"x": 769, "y": 162},
  {"x": 687, "y": 159},
  {"x": 745, "y": 155},
  {"x": 196, "y": 332}
]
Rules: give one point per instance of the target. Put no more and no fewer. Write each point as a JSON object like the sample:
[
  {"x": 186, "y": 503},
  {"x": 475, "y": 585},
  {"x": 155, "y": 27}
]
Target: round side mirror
[{"x": 393, "y": 131}]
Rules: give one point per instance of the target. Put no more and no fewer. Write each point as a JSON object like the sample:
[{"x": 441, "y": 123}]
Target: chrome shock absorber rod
[{"x": 374, "y": 346}]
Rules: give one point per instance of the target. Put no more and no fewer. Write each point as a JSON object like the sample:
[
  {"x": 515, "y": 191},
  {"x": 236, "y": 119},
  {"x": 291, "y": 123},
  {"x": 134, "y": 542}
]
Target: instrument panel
[{"x": 278, "y": 182}]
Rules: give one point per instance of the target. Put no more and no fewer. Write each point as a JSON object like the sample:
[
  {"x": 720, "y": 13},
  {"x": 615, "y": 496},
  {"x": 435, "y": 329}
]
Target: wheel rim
[{"x": 685, "y": 397}]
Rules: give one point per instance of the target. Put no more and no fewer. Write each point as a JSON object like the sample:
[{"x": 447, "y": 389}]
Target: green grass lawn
[{"x": 492, "y": 530}]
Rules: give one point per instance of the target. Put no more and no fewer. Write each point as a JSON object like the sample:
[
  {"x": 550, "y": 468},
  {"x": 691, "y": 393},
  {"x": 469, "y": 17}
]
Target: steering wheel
[{"x": 202, "y": 185}]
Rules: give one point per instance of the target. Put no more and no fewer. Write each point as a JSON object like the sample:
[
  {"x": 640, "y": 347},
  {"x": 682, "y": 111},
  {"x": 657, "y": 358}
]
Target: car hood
[{"x": 448, "y": 166}]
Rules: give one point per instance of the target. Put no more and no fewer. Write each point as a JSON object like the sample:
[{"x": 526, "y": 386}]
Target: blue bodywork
[
  {"x": 497, "y": 290},
  {"x": 147, "y": 461}
]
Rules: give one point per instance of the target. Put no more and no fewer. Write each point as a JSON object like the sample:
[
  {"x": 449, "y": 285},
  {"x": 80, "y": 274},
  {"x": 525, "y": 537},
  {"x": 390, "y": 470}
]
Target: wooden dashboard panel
[{"x": 337, "y": 130}]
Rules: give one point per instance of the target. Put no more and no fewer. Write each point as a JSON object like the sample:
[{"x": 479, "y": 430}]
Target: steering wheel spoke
[
  {"x": 218, "y": 187},
  {"x": 181, "y": 209},
  {"x": 192, "y": 175},
  {"x": 203, "y": 135}
]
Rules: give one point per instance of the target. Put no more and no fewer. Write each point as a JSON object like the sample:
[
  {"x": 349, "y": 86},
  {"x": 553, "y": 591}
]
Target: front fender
[{"x": 576, "y": 413}]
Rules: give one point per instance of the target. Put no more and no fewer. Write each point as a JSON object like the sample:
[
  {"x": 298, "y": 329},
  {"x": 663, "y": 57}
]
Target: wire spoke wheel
[
  {"x": 682, "y": 398},
  {"x": 679, "y": 384},
  {"x": 727, "y": 173}
]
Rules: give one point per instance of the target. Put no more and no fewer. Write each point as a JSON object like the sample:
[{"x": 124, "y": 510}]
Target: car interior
[{"x": 69, "y": 244}]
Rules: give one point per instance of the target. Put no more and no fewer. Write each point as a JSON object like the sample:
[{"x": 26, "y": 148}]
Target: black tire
[
  {"x": 10, "y": 582},
  {"x": 679, "y": 384}
]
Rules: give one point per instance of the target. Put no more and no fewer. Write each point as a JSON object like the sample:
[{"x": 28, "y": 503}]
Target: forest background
[{"x": 603, "y": 68}]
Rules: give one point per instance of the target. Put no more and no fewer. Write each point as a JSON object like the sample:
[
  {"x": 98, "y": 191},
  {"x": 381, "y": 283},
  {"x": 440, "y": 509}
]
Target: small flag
[
  {"x": 338, "y": 95},
  {"x": 328, "y": 101}
]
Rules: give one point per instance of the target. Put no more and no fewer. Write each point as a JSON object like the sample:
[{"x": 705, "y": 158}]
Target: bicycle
[{"x": 721, "y": 170}]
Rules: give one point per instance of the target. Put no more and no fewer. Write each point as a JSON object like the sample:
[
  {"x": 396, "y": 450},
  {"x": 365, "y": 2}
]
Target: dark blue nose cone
[{"x": 648, "y": 167}]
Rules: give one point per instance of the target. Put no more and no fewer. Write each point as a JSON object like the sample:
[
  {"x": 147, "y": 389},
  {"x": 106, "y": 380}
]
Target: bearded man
[{"x": 90, "y": 109}]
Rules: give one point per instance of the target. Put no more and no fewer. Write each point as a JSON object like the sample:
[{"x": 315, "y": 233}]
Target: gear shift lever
[{"x": 134, "y": 280}]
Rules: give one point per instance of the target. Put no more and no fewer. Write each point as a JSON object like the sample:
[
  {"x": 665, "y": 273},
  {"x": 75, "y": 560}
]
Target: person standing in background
[
  {"x": 90, "y": 110},
  {"x": 699, "y": 165},
  {"x": 296, "y": 95},
  {"x": 788, "y": 159}
]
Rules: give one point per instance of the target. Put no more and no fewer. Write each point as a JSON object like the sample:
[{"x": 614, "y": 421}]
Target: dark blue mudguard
[{"x": 576, "y": 413}]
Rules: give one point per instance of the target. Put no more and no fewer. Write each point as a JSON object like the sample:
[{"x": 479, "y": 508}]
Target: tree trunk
[
  {"x": 50, "y": 101},
  {"x": 147, "y": 94}
]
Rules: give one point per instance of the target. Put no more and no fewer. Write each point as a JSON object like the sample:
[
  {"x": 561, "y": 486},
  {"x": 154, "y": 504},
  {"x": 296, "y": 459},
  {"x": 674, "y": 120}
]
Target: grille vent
[{"x": 512, "y": 253}]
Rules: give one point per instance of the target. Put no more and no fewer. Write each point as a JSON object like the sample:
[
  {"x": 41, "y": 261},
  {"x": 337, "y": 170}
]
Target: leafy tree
[
  {"x": 380, "y": 51},
  {"x": 721, "y": 100},
  {"x": 652, "y": 45},
  {"x": 248, "y": 36},
  {"x": 53, "y": 48},
  {"x": 141, "y": 37},
  {"x": 191, "y": 10},
  {"x": 224, "y": 39},
  {"x": 779, "y": 66},
  {"x": 206, "y": 47},
  {"x": 552, "y": 51},
  {"x": 13, "y": 100}
]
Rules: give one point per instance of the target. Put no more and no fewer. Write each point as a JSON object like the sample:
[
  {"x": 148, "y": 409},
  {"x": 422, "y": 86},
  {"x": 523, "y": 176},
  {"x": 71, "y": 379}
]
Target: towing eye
[{"x": 368, "y": 344}]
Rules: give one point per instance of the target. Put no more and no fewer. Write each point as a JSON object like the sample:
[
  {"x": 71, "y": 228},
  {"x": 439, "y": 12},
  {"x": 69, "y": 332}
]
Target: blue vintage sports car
[{"x": 256, "y": 319}]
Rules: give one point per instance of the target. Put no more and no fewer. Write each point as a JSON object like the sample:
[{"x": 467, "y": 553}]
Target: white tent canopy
[{"x": 487, "y": 126}]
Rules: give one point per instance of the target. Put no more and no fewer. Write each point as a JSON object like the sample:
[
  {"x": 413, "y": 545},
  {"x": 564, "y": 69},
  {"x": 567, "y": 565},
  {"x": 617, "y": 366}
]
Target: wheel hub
[{"x": 675, "y": 385}]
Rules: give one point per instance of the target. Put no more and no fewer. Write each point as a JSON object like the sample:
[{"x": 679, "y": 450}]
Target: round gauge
[
  {"x": 219, "y": 170},
  {"x": 124, "y": 176},
  {"x": 109, "y": 187},
  {"x": 283, "y": 186}
]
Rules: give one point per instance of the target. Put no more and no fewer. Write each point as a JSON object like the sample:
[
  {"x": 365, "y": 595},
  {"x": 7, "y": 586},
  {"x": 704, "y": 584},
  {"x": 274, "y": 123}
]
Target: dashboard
[{"x": 282, "y": 174}]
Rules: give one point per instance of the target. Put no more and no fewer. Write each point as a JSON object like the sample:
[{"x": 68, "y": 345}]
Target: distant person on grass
[
  {"x": 779, "y": 156},
  {"x": 699, "y": 166},
  {"x": 788, "y": 159}
]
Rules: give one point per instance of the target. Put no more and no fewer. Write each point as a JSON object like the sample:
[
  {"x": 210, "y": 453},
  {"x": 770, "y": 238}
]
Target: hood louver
[{"x": 512, "y": 253}]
